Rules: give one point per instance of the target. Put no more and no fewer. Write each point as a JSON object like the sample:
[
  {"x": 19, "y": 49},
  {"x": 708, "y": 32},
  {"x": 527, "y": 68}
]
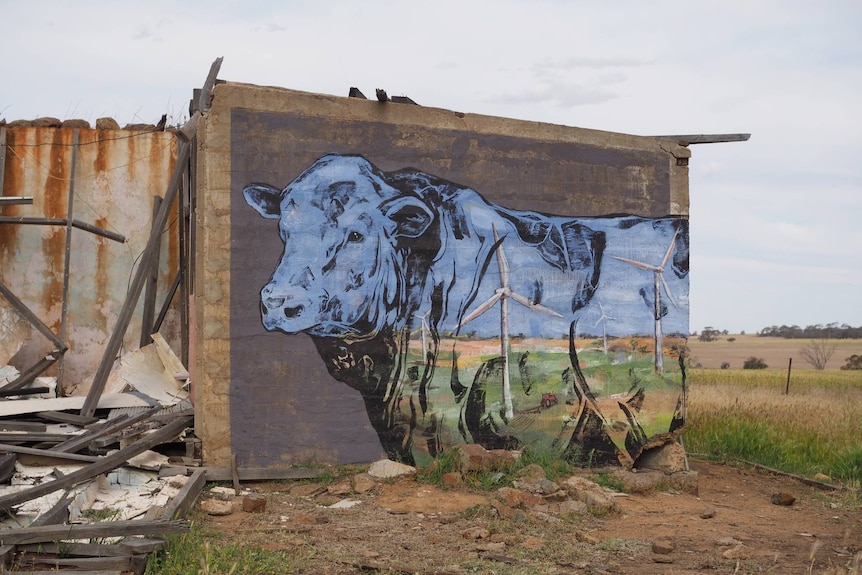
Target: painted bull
[{"x": 371, "y": 258}]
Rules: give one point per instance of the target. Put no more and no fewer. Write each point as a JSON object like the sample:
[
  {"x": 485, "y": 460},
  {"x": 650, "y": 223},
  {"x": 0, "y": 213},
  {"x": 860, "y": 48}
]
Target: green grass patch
[{"x": 203, "y": 551}]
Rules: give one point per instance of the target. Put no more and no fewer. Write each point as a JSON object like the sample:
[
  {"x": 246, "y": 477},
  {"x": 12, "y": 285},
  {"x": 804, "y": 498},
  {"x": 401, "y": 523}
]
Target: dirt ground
[{"x": 405, "y": 526}]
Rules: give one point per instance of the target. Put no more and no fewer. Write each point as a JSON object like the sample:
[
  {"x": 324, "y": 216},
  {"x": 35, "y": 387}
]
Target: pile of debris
[{"x": 121, "y": 477}]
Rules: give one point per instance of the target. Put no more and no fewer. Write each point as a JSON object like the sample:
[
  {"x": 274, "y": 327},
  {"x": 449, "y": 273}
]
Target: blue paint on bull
[{"x": 368, "y": 252}]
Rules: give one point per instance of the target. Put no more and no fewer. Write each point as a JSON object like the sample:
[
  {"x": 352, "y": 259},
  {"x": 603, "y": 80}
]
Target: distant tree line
[{"x": 818, "y": 331}]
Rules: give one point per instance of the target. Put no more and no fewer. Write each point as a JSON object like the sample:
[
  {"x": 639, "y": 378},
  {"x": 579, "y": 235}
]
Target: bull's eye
[{"x": 355, "y": 237}]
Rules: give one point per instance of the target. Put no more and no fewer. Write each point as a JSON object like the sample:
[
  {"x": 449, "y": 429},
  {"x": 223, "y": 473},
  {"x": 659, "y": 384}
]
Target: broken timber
[
  {"x": 104, "y": 464},
  {"x": 47, "y": 533}
]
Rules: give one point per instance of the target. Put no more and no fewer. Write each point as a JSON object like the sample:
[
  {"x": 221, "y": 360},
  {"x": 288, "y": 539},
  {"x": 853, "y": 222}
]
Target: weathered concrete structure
[{"x": 273, "y": 399}]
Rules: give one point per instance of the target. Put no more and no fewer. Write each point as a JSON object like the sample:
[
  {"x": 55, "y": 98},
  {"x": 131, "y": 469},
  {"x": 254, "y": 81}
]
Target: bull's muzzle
[{"x": 281, "y": 310}]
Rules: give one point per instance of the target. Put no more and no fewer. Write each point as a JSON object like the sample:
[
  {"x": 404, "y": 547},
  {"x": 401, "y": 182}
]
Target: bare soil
[
  {"x": 774, "y": 351},
  {"x": 406, "y": 526}
]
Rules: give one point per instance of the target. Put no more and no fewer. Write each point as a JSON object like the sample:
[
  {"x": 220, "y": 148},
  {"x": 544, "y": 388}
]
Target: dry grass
[{"x": 813, "y": 429}]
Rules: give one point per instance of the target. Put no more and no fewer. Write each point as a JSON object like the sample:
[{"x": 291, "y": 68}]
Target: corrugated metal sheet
[{"x": 117, "y": 175}]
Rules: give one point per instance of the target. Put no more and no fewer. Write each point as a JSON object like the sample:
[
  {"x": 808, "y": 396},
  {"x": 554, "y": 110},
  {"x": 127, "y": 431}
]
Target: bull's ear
[
  {"x": 265, "y": 199},
  {"x": 411, "y": 216}
]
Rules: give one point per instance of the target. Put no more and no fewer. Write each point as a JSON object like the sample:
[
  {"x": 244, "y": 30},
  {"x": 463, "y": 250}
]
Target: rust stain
[
  {"x": 102, "y": 294},
  {"x": 100, "y": 162},
  {"x": 12, "y": 184},
  {"x": 55, "y": 202}
]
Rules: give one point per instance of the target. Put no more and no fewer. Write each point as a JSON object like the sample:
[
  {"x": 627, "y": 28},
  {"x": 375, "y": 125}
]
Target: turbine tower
[
  {"x": 604, "y": 319},
  {"x": 502, "y": 294},
  {"x": 658, "y": 283},
  {"x": 424, "y": 329}
]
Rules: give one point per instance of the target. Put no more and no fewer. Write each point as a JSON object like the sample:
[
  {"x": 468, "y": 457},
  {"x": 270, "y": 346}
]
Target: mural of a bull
[{"x": 376, "y": 262}]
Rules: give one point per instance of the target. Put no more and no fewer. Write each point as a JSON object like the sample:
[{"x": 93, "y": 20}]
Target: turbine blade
[
  {"x": 482, "y": 308},
  {"x": 524, "y": 301},
  {"x": 502, "y": 262},
  {"x": 640, "y": 265},
  {"x": 669, "y": 250},
  {"x": 667, "y": 290}
]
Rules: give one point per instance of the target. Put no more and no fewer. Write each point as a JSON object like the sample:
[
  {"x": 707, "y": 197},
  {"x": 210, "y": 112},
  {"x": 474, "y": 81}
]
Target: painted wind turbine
[
  {"x": 658, "y": 282},
  {"x": 604, "y": 319},
  {"x": 424, "y": 329},
  {"x": 502, "y": 294}
]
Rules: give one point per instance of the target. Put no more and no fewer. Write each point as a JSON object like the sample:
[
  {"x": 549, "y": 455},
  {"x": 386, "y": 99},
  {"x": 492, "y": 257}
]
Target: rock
[
  {"x": 107, "y": 124},
  {"x": 505, "y": 538},
  {"x": 668, "y": 458},
  {"x": 823, "y": 478},
  {"x": 475, "y": 533},
  {"x": 386, "y": 468},
  {"x": 254, "y": 503},
  {"x": 597, "y": 500},
  {"x": 47, "y": 122},
  {"x": 782, "y": 498},
  {"x": 532, "y": 543},
  {"x": 510, "y": 496},
  {"x": 217, "y": 508},
  {"x": 452, "y": 479},
  {"x": 345, "y": 504},
  {"x": 502, "y": 509},
  {"x": 587, "y": 538},
  {"x": 363, "y": 483},
  {"x": 341, "y": 488},
  {"x": 495, "y": 547},
  {"x": 570, "y": 507},
  {"x": 708, "y": 513},
  {"x": 473, "y": 457},
  {"x": 662, "y": 547},
  {"x": 727, "y": 542},
  {"x": 738, "y": 552},
  {"x": 221, "y": 493},
  {"x": 662, "y": 559},
  {"x": 75, "y": 124},
  {"x": 540, "y": 486},
  {"x": 140, "y": 127}
]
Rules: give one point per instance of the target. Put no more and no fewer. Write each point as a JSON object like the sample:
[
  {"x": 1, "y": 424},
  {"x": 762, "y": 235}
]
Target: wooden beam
[
  {"x": 260, "y": 473},
  {"x": 47, "y": 453},
  {"x": 63, "y": 417},
  {"x": 186, "y": 496},
  {"x": 15, "y": 200},
  {"x": 104, "y": 465},
  {"x": 121, "y": 564},
  {"x": 30, "y": 373},
  {"x": 686, "y": 139},
  {"x": 47, "y": 533},
  {"x": 151, "y": 285},
  {"x": 25, "y": 311},
  {"x": 56, "y": 515},
  {"x": 42, "y": 221}
]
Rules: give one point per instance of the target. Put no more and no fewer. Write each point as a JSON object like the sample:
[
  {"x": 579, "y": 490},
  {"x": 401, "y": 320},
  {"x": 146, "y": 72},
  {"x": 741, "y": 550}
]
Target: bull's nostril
[{"x": 292, "y": 312}]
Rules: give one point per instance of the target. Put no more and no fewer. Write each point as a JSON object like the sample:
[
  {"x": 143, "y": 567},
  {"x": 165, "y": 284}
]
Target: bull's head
[{"x": 341, "y": 272}]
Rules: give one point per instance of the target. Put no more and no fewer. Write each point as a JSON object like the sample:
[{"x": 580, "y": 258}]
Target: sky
[{"x": 776, "y": 222}]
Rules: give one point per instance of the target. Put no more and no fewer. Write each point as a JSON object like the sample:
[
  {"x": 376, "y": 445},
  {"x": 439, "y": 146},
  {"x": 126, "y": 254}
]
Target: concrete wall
[
  {"x": 275, "y": 388},
  {"x": 117, "y": 174}
]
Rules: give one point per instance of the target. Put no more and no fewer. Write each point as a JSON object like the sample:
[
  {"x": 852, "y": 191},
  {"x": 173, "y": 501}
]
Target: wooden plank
[
  {"x": 112, "y": 347},
  {"x": 47, "y": 453},
  {"x": 78, "y": 549},
  {"x": 7, "y": 466},
  {"x": 47, "y": 533},
  {"x": 31, "y": 373},
  {"x": 56, "y": 515},
  {"x": 105, "y": 464},
  {"x": 63, "y": 417},
  {"x": 152, "y": 284},
  {"x": 34, "y": 426},
  {"x": 140, "y": 545},
  {"x": 26, "y": 391},
  {"x": 32, "y": 436},
  {"x": 25, "y": 311},
  {"x": 260, "y": 473},
  {"x": 686, "y": 139},
  {"x": 187, "y": 495},
  {"x": 123, "y": 563},
  {"x": 108, "y": 401}
]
